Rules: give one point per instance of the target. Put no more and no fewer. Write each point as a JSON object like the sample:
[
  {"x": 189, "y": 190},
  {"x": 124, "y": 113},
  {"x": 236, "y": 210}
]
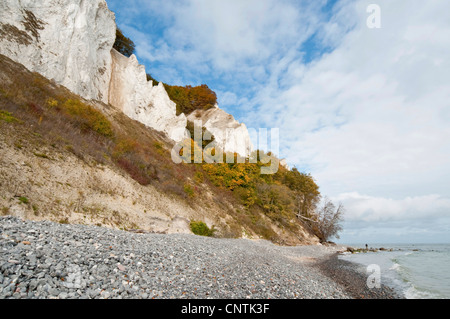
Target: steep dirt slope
[{"x": 64, "y": 160}]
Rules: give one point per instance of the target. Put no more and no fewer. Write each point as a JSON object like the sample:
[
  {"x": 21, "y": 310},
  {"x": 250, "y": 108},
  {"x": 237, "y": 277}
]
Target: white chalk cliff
[
  {"x": 66, "y": 41},
  {"x": 229, "y": 134},
  {"x": 70, "y": 42},
  {"x": 140, "y": 100}
]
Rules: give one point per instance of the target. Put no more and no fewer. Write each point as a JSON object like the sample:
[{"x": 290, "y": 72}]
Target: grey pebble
[{"x": 79, "y": 261}]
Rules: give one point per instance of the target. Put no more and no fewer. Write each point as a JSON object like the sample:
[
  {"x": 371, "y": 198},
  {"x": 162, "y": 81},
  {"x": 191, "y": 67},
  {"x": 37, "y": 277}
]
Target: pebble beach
[{"x": 46, "y": 260}]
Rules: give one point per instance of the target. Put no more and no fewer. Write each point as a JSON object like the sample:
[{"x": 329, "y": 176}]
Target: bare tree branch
[{"x": 306, "y": 218}]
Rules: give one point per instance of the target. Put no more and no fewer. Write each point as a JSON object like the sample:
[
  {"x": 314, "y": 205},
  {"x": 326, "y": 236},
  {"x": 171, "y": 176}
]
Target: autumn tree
[
  {"x": 151, "y": 78},
  {"x": 202, "y": 97},
  {"x": 275, "y": 200},
  {"x": 306, "y": 191},
  {"x": 189, "y": 99},
  {"x": 328, "y": 220},
  {"x": 123, "y": 44},
  {"x": 206, "y": 136},
  {"x": 179, "y": 95}
]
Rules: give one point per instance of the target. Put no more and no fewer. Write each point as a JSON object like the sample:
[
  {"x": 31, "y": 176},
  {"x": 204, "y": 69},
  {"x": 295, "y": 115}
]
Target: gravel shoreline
[
  {"x": 45, "y": 260},
  {"x": 351, "y": 277}
]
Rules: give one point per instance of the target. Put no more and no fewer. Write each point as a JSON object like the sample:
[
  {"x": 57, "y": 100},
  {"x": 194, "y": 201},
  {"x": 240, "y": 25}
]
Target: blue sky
[{"x": 365, "y": 111}]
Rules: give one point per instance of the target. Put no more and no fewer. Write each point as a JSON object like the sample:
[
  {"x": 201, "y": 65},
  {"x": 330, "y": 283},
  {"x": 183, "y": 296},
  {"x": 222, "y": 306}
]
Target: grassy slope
[{"x": 47, "y": 128}]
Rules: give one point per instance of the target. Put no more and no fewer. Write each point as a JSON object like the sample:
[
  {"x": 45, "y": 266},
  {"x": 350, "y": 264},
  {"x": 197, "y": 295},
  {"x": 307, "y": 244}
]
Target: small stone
[
  {"x": 53, "y": 291},
  {"x": 121, "y": 267},
  {"x": 93, "y": 293},
  {"x": 105, "y": 294},
  {"x": 69, "y": 285},
  {"x": 63, "y": 295}
]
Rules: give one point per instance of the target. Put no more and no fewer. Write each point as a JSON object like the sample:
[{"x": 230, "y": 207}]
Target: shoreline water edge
[
  {"x": 354, "y": 280},
  {"x": 413, "y": 270}
]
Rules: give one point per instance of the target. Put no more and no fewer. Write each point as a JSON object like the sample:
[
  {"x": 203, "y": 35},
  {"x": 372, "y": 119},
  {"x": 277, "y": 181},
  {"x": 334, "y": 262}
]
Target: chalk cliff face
[
  {"x": 68, "y": 41},
  {"x": 140, "y": 100},
  {"x": 229, "y": 134}
]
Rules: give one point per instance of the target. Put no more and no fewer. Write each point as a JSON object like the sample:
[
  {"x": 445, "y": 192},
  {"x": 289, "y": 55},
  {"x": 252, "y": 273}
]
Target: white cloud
[
  {"x": 367, "y": 208},
  {"x": 227, "y": 98},
  {"x": 372, "y": 115},
  {"x": 238, "y": 33},
  {"x": 237, "y": 39},
  {"x": 368, "y": 116}
]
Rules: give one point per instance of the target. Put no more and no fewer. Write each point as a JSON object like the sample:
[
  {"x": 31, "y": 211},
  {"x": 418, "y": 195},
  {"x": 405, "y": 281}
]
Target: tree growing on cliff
[
  {"x": 123, "y": 44},
  {"x": 328, "y": 220},
  {"x": 189, "y": 99},
  {"x": 306, "y": 191},
  {"x": 151, "y": 78}
]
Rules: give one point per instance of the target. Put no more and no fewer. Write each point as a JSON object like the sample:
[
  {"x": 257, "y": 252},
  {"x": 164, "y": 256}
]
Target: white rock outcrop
[
  {"x": 68, "y": 41},
  {"x": 131, "y": 92},
  {"x": 71, "y": 42},
  {"x": 283, "y": 162},
  {"x": 229, "y": 134}
]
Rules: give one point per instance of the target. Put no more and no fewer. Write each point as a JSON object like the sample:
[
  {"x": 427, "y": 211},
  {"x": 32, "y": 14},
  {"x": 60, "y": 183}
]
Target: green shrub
[
  {"x": 5, "y": 211},
  {"x": 125, "y": 146},
  {"x": 199, "y": 178},
  {"x": 51, "y": 102},
  {"x": 159, "y": 148},
  {"x": 151, "y": 78},
  {"x": 206, "y": 138},
  {"x": 188, "y": 190},
  {"x": 201, "y": 229},
  {"x": 88, "y": 117},
  {"x": 189, "y": 99},
  {"x": 7, "y": 117},
  {"x": 64, "y": 221},
  {"x": 41, "y": 155},
  {"x": 23, "y": 200},
  {"x": 123, "y": 44}
]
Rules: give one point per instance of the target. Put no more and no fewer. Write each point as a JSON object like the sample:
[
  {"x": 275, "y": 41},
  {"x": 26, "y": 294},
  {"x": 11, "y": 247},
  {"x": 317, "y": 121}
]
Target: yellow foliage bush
[
  {"x": 51, "y": 102},
  {"x": 125, "y": 145},
  {"x": 88, "y": 117}
]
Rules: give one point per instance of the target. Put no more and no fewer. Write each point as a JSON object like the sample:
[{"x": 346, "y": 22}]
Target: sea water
[{"x": 417, "y": 271}]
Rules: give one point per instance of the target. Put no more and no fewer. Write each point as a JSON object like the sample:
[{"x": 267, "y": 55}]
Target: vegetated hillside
[
  {"x": 189, "y": 98},
  {"x": 66, "y": 160}
]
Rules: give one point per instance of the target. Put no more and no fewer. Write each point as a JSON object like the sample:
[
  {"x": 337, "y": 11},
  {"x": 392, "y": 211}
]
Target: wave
[
  {"x": 422, "y": 274},
  {"x": 415, "y": 271},
  {"x": 395, "y": 266},
  {"x": 413, "y": 292}
]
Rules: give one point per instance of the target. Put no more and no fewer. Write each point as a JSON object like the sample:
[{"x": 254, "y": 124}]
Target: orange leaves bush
[{"x": 189, "y": 99}]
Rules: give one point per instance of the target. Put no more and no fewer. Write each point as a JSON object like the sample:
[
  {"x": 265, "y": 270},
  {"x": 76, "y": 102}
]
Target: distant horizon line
[{"x": 391, "y": 243}]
